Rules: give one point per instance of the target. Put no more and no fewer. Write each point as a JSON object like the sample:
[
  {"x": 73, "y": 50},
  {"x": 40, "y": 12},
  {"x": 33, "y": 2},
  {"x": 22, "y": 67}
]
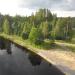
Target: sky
[{"x": 63, "y": 8}]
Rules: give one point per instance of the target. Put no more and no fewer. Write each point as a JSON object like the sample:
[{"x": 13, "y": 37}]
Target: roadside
[
  {"x": 63, "y": 60},
  {"x": 62, "y": 57},
  {"x": 67, "y": 46}
]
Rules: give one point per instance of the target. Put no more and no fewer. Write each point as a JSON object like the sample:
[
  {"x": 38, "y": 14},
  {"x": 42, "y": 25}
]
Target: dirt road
[{"x": 62, "y": 59}]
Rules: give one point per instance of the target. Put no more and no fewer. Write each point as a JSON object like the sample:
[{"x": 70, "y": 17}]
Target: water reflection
[
  {"x": 8, "y": 47},
  {"x": 2, "y": 43},
  {"x": 22, "y": 61},
  {"x": 5, "y": 45},
  {"x": 34, "y": 59}
]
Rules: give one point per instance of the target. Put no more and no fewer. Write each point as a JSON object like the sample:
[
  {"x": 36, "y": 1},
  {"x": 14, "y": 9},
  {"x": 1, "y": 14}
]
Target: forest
[{"x": 39, "y": 27}]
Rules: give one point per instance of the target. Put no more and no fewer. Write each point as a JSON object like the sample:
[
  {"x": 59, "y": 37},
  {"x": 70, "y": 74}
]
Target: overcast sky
[{"x": 26, "y": 7}]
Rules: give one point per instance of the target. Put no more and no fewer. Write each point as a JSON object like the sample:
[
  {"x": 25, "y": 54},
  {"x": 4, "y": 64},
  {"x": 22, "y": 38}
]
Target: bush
[
  {"x": 25, "y": 35},
  {"x": 35, "y": 36},
  {"x": 49, "y": 41},
  {"x": 39, "y": 41}
]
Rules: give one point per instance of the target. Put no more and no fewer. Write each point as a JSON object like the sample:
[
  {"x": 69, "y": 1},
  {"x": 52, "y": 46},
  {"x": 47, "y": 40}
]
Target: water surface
[{"x": 15, "y": 60}]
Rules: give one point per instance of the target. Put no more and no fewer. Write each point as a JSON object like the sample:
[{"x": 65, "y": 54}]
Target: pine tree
[{"x": 6, "y": 27}]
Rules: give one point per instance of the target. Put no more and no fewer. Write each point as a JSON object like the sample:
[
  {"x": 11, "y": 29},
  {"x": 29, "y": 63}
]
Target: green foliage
[
  {"x": 27, "y": 27},
  {"x": 35, "y": 36},
  {"x": 45, "y": 29},
  {"x": 6, "y": 27},
  {"x": 49, "y": 41},
  {"x": 25, "y": 36},
  {"x": 59, "y": 32},
  {"x": 43, "y": 15},
  {"x": 39, "y": 26},
  {"x": 63, "y": 29},
  {"x": 1, "y": 22}
]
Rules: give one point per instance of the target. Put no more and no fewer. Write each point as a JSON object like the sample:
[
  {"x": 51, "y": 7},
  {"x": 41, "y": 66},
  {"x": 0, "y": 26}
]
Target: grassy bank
[
  {"x": 26, "y": 43},
  {"x": 65, "y": 45},
  {"x": 35, "y": 48},
  {"x": 18, "y": 40}
]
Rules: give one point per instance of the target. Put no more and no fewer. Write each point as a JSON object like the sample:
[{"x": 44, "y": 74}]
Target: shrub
[
  {"x": 49, "y": 41},
  {"x": 35, "y": 36},
  {"x": 25, "y": 35}
]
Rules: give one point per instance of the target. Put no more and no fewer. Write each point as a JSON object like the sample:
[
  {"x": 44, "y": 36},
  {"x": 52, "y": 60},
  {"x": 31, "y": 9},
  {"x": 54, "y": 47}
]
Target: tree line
[{"x": 39, "y": 26}]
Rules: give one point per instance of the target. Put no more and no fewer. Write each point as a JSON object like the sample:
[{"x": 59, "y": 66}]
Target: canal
[{"x": 16, "y": 60}]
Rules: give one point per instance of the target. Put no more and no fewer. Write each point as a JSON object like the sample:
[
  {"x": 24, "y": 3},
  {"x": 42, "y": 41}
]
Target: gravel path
[{"x": 62, "y": 59}]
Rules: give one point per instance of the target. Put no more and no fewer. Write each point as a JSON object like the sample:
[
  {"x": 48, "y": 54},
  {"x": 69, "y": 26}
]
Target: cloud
[
  {"x": 26, "y": 7},
  {"x": 66, "y": 5},
  {"x": 64, "y": 13},
  {"x": 12, "y": 8}
]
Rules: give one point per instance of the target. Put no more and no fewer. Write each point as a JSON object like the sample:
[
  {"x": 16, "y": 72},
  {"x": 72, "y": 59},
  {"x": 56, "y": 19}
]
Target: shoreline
[{"x": 51, "y": 56}]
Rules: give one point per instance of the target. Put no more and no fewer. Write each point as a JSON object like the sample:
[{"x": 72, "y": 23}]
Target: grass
[
  {"x": 67, "y": 41},
  {"x": 26, "y": 43},
  {"x": 65, "y": 45},
  {"x": 71, "y": 48},
  {"x": 46, "y": 45}
]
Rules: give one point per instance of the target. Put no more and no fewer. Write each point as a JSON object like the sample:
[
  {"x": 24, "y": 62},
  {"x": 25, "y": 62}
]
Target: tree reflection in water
[
  {"x": 34, "y": 59},
  {"x": 8, "y": 47},
  {"x": 5, "y": 45},
  {"x": 21, "y": 63},
  {"x": 2, "y": 43}
]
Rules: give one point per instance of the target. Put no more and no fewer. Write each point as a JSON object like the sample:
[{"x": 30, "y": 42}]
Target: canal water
[{"x": 16, "y": 60}]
